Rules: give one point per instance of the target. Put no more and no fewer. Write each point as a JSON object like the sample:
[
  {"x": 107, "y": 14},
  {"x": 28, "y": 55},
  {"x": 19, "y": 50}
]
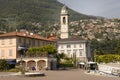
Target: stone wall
[{"x": 108, "y": 69}]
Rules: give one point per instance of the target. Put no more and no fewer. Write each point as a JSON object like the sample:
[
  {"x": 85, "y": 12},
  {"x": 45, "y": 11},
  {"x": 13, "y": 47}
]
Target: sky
[{"x": 103, "y": 8}]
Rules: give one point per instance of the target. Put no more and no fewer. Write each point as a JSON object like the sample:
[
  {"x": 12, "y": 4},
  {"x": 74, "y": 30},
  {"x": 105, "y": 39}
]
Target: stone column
[
  {"x": 26, "y": 66},
  {"x": 36, "y": 66},
  {"x": 46, "y": 63}
]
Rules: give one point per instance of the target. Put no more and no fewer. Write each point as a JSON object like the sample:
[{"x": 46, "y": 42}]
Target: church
[{"x": 72, "y": 46}]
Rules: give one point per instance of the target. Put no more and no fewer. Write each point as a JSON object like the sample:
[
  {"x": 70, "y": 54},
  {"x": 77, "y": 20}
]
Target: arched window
[{"x": 64, "y": 20}]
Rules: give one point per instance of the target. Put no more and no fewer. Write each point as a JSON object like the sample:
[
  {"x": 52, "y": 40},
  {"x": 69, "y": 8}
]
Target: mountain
[{"x": 44, "y": 11}]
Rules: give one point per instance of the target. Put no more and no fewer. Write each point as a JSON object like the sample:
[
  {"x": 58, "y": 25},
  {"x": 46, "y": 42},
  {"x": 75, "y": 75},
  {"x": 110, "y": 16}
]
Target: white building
[
  {"x": 75, "y": 46},
  {"x": 72, "y": 46}
]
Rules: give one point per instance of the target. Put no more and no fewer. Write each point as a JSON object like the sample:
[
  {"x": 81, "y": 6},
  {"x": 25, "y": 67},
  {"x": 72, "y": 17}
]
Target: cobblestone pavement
[{"x": 63, "y": 75}]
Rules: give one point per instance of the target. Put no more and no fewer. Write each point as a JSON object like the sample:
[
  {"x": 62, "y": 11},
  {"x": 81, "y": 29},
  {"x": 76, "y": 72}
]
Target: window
[
  {"x": 68, "y": 46},
  {"x": 2, "y": 41},
  {"x": 80, "y": 52},
  {"x": 74, "y": 51},
  {"x": 10, "y": 40},
  {"x": 74, "y": 45},
  {"x": 19, "y": 40},
  {"x": 80, "y": 45},
  {"x": 38, "y": 42},
  {"x": 62, "y": 51},
  {"x": 64, "y": 20},
  {"x": 10, "y": 52},
  {"x": 24, "y": 41},
  {"x": 41, "y": 43},
  {"x": 61, "y": 46},
  {"x": 69, "y": 52},
  {"x": 2, "y": 53},
  {"x": 30, "y": 42},
  {"x": 33, "y": 42}
]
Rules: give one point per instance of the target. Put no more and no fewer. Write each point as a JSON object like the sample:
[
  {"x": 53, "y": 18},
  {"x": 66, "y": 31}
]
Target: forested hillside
[{"x": 17, "y": 12}]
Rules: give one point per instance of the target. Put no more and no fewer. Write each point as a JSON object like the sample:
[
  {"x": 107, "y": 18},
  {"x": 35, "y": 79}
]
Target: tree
[
  {"x": 4, "y": 65},
  {"x": 105, "y": 46},
  {"x": 42, "y": 51},
  {"x": 3, "y": 25},
  {"x": 118, "y": 48},
  {"x": 51, "y": 49},
  {"x": 107, "y": 58},
  {"x": 60, "y": 56},
  {"x": 36, "y": 51}
]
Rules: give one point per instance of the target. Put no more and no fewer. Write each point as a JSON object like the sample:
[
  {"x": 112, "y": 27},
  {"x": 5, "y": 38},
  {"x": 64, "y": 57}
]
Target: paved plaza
[{"x": 63, "y": 75}]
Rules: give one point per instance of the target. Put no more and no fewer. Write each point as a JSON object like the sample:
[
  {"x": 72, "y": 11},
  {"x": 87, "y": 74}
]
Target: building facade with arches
[
  {"x": 12, "y": 43},
  {"x": 38, "y": 63}
]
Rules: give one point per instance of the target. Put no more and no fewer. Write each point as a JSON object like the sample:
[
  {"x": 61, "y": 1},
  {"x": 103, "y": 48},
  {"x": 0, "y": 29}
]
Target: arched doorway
[
  {"x": 31, "y": 65},
  {"x": 41, "y": 64}
]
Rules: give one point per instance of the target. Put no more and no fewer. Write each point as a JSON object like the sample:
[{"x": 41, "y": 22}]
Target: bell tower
[{"x": 64, "y": 22}]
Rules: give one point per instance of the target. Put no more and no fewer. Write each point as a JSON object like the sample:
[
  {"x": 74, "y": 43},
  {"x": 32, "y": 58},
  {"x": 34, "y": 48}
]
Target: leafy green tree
[
  {"x": 62, "y": 56},
  {"x": 50, "y": 49},
  {"x": 59, "y": 57},
  {"x": 4, "y": 65},
  {"x": 42, "y": 51},
  {"x": 28, "y": 26},
  {"x": 63, "y": 60},
  {"x": 118, "y": 48},
  {"x": 105, "y": 46},
  {"x": 107, "y": 58},
  {"x": 3, "y": 25},
  {"x": 36, "y": 51}
]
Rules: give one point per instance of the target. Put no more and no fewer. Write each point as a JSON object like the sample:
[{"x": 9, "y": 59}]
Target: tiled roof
[
  {"x": 23, "y": 34},
  {"x": 52, "y": 38},
  {"x": 71, "y": 40}
]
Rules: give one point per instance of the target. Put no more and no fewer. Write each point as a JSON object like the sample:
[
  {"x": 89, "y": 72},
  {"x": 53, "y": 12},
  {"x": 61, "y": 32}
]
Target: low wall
[{"x": 109, "y": 69}]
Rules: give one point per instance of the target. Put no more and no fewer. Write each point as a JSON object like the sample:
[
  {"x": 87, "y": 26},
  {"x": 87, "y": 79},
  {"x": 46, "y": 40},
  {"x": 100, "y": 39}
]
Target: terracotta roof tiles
[{"x": 23, "y": 34}]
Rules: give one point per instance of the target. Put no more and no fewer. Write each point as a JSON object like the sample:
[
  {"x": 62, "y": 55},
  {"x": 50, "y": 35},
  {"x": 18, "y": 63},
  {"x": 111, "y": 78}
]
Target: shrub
[
  {"x": 107, "y": 58},
  {"x": 14, "y": 70},
  {"x": 4, "y": 65}
]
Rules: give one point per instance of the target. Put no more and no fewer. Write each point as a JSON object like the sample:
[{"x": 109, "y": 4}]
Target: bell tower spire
[{"x": 64, "y": 22}]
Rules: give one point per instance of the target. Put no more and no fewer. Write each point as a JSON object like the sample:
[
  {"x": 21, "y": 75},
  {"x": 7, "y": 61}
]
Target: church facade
[{"x": 72, "y": 46}]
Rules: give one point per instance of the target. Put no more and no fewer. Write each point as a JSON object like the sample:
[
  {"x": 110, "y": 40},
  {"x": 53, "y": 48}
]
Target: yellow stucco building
[{"x": 12, "y": 42}]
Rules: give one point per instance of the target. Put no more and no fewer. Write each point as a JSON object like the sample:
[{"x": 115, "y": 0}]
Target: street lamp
[{"x": 22, "y": 51}]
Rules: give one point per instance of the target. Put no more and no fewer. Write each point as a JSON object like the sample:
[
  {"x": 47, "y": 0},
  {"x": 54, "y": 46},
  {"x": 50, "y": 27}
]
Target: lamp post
[
  {"x": 21, "y": 63},
  {"x": 22, "y": 51}
]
